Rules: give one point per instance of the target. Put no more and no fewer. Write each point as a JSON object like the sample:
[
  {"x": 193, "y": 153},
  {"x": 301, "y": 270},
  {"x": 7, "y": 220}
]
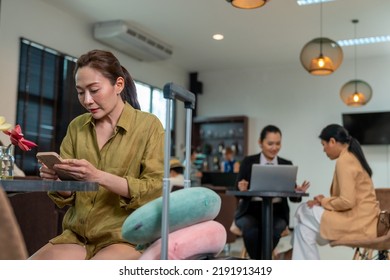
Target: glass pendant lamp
[
  {"x": 356, "y": 92},
  {"x": 321, "y": 56}
]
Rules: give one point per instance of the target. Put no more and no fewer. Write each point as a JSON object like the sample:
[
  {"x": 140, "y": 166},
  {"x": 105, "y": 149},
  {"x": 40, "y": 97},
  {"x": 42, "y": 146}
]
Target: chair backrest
[
  {"x": 380, "y": 243},
  {"x": 12, "y": 245},
  {"x": 383, "y": 196}
]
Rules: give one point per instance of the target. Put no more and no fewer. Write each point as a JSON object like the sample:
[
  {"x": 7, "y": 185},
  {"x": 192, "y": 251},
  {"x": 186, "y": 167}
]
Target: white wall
[
  {"x": 301, "y": 105},
  {"x": 47, "y": 25}
]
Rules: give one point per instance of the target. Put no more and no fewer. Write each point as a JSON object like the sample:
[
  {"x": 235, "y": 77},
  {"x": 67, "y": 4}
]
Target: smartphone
[{"x": 51, "y": 158}]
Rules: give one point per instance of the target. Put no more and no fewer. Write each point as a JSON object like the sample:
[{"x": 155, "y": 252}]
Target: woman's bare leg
[
  {"x": 60, "y": 252},
  {"x": 120, "y": 251}
]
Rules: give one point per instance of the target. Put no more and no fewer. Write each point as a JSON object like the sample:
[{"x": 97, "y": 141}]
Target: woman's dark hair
[
  {"x": 341, "y": 135},
  {"x": 108, "y": 65},
  {"x": 267, "y": 129},
  {"x": 129, "y": 92}
]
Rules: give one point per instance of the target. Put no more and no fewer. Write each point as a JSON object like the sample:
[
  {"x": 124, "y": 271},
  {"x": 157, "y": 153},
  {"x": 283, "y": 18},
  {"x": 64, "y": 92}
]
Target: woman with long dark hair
[
  {"x": 351, "y": 210},
  {"x": 114, "y": 144}
]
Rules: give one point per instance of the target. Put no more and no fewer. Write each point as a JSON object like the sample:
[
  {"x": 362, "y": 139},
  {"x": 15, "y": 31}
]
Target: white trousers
[{"x": 307, "y": 233}]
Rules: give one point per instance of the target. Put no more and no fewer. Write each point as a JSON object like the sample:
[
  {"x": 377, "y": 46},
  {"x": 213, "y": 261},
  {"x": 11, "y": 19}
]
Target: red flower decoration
[{"x": 16, "y": 137}]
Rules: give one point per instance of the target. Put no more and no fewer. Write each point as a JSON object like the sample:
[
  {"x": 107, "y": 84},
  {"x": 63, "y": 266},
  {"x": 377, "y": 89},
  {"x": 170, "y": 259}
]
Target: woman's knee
[
  {"x": 300, "y": 208},
  {"x": 303, "y": 210},
  {"x": 280, "y": 225},
  {"x": 246, "y": 222},
  {"x": 60, "y": 252}
]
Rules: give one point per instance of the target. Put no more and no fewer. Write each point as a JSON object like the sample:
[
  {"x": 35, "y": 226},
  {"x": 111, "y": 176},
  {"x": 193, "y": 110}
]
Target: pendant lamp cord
[
  {"x": 321, "y": 28},
  {"x": 321, "y": 19},
  {"x": 355, "y": 21}
]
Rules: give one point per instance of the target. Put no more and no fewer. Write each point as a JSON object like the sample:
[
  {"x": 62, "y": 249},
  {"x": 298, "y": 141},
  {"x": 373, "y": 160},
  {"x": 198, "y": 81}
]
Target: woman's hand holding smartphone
[{"x": 50, "y": 159}]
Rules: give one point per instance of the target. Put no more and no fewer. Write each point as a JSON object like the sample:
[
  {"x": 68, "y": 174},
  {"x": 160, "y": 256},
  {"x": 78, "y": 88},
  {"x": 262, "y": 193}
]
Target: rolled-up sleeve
[
  {"x": 148, "y": 185},
  {"x": 61, "y": 201}
]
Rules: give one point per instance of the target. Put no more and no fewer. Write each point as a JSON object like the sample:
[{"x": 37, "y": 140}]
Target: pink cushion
[{"x": 205, "y": 237}]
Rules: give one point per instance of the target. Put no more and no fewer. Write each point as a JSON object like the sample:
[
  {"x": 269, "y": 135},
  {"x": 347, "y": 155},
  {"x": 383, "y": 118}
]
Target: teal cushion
[{"x": 187, "y": 206}]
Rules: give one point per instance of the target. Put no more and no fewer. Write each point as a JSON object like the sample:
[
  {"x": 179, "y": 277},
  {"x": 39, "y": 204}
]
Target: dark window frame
[{"x": 47, "y": 100}]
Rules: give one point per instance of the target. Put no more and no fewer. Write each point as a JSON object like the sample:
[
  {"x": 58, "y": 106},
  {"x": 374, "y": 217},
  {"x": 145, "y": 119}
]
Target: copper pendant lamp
[
  {"x": 356, "y": 93},
  {"x": 248, "y": 4},
  {"x": 321, "y": 56}
]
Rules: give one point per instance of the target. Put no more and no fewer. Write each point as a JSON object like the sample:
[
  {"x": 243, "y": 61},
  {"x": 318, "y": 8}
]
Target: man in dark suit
[{"x": 248, "y": 213}]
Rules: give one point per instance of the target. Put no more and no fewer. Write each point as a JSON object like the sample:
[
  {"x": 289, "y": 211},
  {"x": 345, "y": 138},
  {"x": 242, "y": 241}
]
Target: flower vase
[{"x": 7, "y": 161}]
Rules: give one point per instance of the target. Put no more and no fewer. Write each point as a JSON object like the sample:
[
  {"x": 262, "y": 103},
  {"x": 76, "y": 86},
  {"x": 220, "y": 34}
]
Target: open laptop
[{"x": 281, "y": 178}]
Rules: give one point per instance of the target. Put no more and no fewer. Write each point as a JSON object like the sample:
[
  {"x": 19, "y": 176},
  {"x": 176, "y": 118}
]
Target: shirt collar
[
  {"x": 264, "y": 161},
  {"x": 125, "y": 119}
]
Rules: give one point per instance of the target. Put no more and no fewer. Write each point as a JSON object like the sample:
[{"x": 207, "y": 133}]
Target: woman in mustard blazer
[{"x": 352, "y": 209}]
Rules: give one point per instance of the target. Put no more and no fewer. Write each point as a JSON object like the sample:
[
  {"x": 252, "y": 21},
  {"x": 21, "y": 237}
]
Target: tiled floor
[{"x": 235, "y": 249}]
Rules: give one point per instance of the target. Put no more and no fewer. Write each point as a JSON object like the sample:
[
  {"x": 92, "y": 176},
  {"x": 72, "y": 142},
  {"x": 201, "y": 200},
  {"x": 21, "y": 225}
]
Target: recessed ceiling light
[
  {"x": 218, "y": 37},
  {"x": 310, "y": 2},
  {"x": 364, "y": 41}
]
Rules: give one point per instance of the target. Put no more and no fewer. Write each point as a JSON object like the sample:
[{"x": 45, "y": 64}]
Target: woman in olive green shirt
[{"x": 115, "y": 145}]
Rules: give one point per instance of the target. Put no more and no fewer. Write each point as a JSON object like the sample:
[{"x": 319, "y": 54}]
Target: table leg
[{"x": 267, "y": 230}]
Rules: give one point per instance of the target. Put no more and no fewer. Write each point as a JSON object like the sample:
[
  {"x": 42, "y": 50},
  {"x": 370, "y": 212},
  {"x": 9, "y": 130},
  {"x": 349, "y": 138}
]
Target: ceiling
[{"x": 274, "y": 33}]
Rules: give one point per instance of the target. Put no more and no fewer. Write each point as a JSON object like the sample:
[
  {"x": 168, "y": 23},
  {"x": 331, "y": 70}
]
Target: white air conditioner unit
[{"x": 130, "y": 40}]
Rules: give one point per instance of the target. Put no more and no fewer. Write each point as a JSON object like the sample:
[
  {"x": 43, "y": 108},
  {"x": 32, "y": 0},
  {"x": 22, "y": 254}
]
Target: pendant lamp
[
  {"x": 321, "y": 56},
  {"x": 248, "y": 4},
  {"x": 356, "y": 92}
]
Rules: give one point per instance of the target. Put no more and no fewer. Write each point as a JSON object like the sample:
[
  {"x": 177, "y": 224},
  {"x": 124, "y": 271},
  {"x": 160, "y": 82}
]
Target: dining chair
[
  {"x": 226, "y": 217},
  {"x": 374, "y": 248}
]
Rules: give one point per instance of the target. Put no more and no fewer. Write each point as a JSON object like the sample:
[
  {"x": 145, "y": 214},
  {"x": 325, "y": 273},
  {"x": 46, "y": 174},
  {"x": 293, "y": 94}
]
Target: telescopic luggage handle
[{"x": 172, "y": 91}]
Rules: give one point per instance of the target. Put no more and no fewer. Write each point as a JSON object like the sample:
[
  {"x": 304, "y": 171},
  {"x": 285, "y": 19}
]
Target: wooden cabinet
[{"x": 211, "y": 135}]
